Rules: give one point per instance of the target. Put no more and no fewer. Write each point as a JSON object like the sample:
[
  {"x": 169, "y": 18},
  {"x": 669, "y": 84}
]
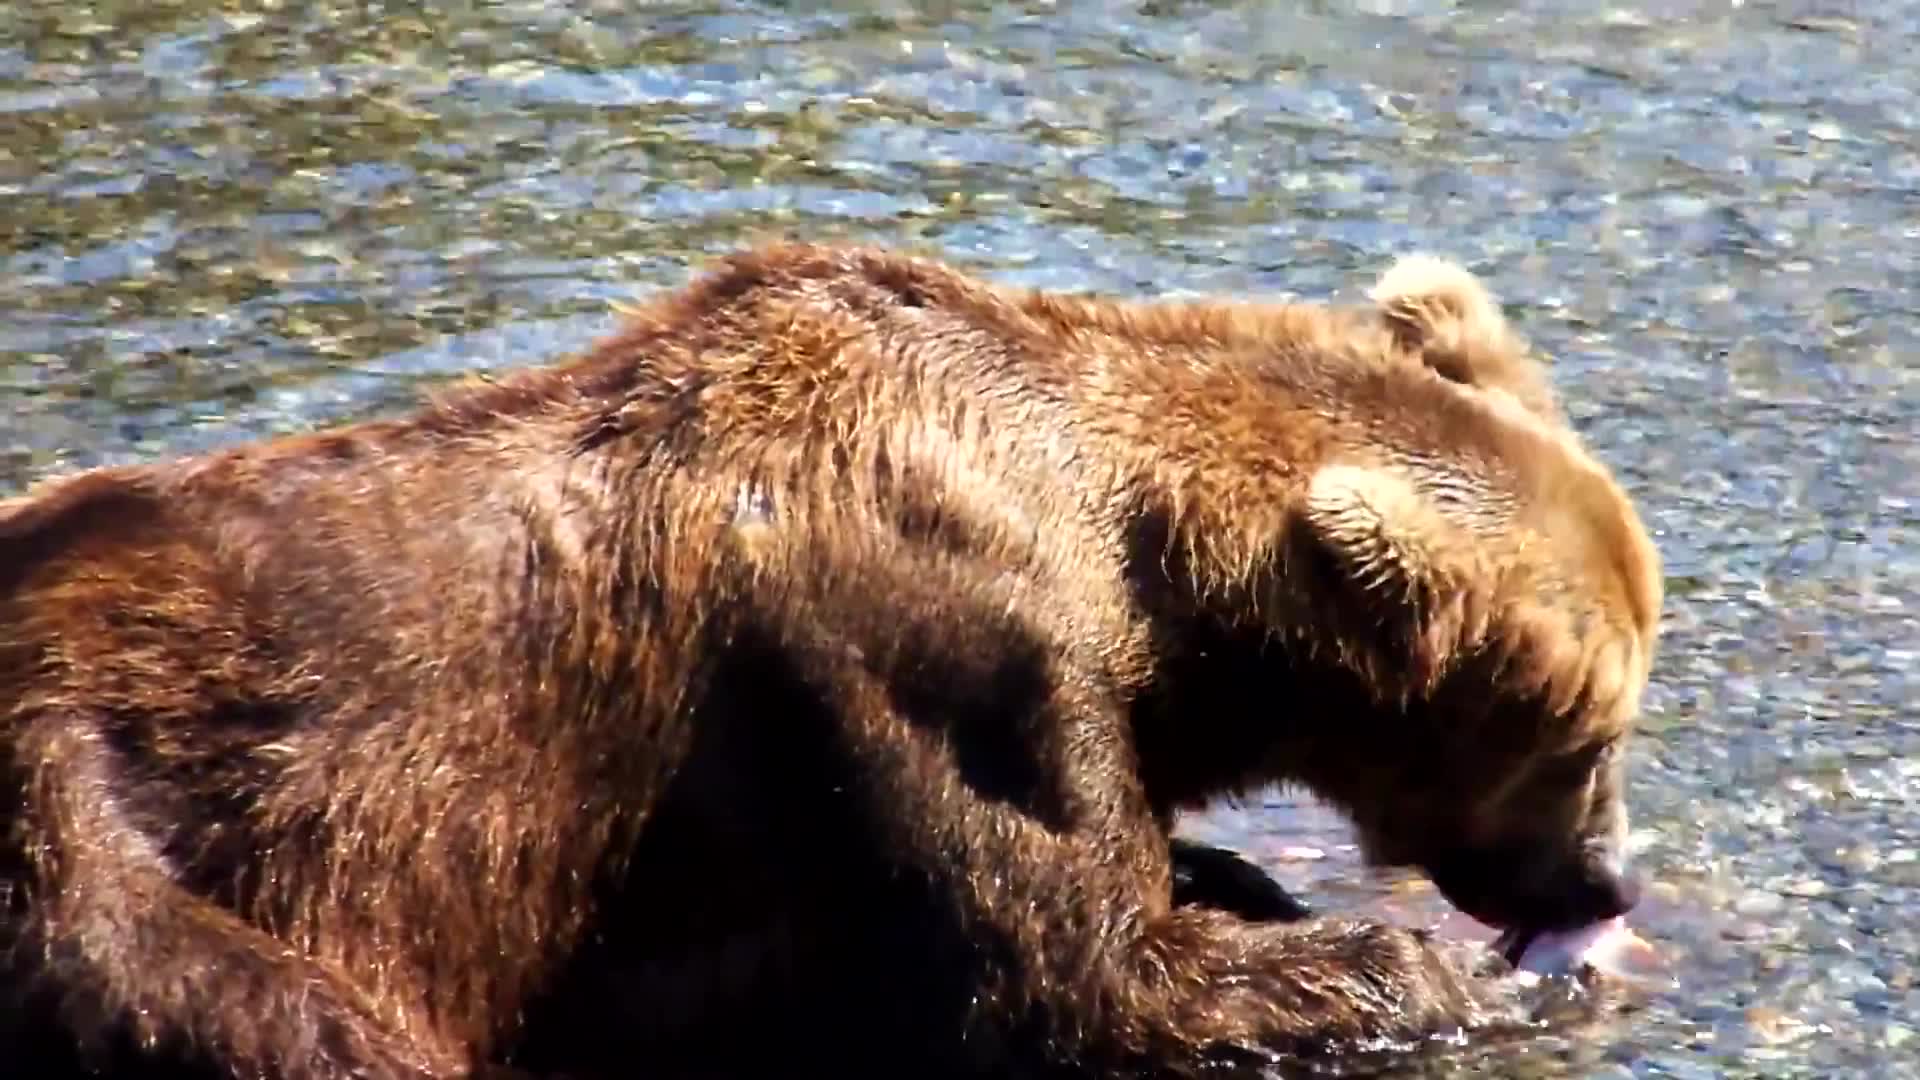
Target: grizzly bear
[{"x": 813, "y": 670}]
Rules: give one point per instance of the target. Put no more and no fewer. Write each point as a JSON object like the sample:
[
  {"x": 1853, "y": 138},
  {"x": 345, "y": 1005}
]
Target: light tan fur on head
[
  {"x": 1442, "y": 311},
  {"x": 1568, "y": 584}
]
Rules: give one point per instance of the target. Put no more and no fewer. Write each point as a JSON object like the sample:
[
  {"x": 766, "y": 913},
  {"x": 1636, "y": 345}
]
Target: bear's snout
[{"x": 1516, "y": 887}]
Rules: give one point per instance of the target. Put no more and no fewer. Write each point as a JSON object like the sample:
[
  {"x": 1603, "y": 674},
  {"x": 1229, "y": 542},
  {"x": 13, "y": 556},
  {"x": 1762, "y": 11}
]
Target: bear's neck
[{"x": 1215, "y": 444}]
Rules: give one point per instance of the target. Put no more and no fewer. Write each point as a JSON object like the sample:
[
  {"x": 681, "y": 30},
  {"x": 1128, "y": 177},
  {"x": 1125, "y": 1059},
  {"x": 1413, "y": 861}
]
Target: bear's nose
[
  {"x": 1618, "y": 892},
  {"x": 1518, "y": 889}
]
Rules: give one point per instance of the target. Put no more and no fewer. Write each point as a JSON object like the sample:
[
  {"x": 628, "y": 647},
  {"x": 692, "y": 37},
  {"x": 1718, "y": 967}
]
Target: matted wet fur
[{"x": 808, "y": 675}]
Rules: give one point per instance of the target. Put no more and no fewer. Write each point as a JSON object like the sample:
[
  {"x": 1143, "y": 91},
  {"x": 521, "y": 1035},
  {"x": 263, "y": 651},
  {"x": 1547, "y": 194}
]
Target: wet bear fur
[{"x": 810, "y": 673}]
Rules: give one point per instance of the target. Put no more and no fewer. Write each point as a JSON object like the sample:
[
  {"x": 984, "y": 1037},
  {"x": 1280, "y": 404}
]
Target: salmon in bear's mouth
[{"x": 1608, "y": 946}]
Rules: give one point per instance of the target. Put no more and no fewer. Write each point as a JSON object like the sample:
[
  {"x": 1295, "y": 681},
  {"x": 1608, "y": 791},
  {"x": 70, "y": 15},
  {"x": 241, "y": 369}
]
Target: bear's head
[
  {"x": 1484, "y": 680},
  {"x": 1494, "y": 592},
  {"x": 1442, "y": 625}
]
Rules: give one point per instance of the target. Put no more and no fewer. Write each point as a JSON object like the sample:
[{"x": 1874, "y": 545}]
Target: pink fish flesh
[{"x": 1608, "y": 947}]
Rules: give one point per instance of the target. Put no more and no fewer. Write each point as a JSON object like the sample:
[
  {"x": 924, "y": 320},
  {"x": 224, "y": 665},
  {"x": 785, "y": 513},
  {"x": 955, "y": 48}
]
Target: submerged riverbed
[{"x": 223, "y": 219}]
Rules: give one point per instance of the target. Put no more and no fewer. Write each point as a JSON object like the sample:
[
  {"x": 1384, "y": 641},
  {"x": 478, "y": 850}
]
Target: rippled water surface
[{"x": 221, "y": 219}]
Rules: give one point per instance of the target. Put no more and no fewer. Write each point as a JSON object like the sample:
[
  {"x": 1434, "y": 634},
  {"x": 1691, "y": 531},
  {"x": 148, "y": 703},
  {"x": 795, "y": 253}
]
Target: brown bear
[{"x": 811, "y": 672}]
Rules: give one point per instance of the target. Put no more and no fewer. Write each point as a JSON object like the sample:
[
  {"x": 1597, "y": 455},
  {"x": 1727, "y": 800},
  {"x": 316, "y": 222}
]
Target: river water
[{"x": 223, "y": 219}]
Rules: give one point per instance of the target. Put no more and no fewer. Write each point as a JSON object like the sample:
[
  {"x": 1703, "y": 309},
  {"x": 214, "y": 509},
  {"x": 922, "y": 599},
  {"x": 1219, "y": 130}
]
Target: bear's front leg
[{"x": 1084, "y": 966}]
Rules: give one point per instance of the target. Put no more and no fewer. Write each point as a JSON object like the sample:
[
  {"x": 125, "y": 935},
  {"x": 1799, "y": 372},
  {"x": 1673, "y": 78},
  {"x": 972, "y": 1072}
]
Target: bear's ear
[
  {"x": 1436, "y": 305},
  {"x": 1419, "y": 581},
  {"x": 1383, "y": 531},
  {"x": 1438, "y": 311}
]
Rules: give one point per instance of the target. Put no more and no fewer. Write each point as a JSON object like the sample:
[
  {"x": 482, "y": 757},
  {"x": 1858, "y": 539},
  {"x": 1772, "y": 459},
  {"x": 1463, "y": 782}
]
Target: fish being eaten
[{"x": 1608, "y": 947}]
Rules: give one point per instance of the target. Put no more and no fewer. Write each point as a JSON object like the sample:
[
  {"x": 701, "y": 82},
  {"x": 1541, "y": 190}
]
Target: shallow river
[{"x": 228, "y": 218}]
